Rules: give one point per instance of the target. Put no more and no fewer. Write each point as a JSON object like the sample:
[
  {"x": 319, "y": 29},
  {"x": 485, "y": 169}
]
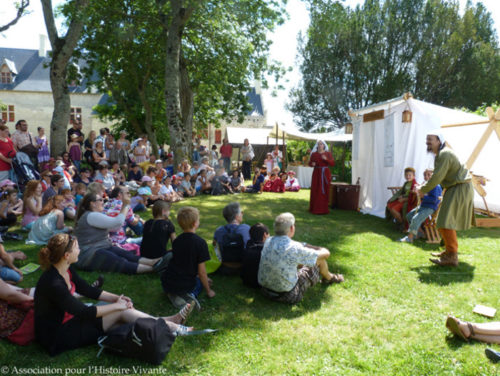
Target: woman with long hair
[
  {"x": 49, "y": 223},
  {"x": 98, "y": 253},
  {"x": 32, "y": 203},
  {"x": 62, "y": 322}
]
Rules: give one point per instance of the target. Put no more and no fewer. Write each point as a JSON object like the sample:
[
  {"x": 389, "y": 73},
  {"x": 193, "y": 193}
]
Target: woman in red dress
[{"x": 320, "y": 159}]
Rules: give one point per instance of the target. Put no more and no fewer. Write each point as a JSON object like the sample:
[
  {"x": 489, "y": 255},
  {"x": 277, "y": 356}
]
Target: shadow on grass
[
  {"x": 443, "y": 276},
  {"x": 453, "y": 342}
]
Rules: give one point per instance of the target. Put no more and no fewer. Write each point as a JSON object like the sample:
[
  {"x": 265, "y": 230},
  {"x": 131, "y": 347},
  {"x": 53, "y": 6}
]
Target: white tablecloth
[{"x": 303, "y": 174}]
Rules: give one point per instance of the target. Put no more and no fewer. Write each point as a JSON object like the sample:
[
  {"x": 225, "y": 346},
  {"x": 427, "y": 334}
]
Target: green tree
[
  {"x": 21, "y": 10},
  {"x": 355, "y": 57},
  {"x": 62, "y": 52},
  {"x": 199, "y": 56}
]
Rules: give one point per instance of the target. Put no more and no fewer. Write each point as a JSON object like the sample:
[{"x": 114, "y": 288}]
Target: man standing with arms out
[
  {"x": 226, "y": 151},
  {"x": 247, "y": 156},
  {"x": 457, "y": 207}
]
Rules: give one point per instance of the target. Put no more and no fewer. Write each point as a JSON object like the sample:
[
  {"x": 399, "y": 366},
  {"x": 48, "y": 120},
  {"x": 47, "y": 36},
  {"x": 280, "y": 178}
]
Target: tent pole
[
  {"x": 238, "y": 166},
  {"x": 285, "y": 165},
  {"x": 464, "y": 124},
  {"x": 343, "y": 161}
]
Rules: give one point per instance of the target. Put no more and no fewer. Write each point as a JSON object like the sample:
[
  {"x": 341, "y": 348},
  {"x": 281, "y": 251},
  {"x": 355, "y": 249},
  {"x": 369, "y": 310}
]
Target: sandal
[
  {"x": 98, "y": 282},
  {"x": 186, "y": 311},
  {"x": 452, "y": 325},
  {"x": 337, "y": 278}
]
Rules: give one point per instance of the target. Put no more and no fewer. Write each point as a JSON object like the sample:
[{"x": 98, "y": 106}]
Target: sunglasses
[{"x": 71, "y": 240}]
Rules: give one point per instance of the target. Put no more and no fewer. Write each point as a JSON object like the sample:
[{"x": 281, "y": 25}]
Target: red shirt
[
  {"x": 8, "y": 151},
  {"x": 226, "y": 151}
]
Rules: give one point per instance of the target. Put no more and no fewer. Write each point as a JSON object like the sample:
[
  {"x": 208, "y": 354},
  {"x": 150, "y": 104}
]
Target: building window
[
  {"x": 8, "y": 114},
  {"x": 6, "y": 77},
  {"x": 76, "y": 114},
  {"x": 218, "y": 136}
]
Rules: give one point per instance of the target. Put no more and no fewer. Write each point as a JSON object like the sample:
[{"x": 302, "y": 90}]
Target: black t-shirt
[
  {"x": 134, "y": 176},
  {"x": 189, "y": 250},
  {"x": 250, "y": 264},
  {"x": 155, "y": 237}
]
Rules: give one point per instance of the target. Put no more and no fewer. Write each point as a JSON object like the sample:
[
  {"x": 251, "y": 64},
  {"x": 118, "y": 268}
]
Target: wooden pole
[
  {"x": 285, "y": 156},
  {"x": 494, "y": 126},
  {"x": 464, "y": 124}
]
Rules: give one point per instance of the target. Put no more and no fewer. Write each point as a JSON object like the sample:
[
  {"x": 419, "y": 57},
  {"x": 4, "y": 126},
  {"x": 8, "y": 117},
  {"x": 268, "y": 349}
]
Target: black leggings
[
  {"x": 9, "y": 220},
  {"x": 113, "y": 259}
]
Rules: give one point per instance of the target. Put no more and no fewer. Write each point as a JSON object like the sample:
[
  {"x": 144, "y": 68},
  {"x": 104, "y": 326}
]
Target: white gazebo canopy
[
  {"x": 290, "y": 133},
  {"x": 256, "y": 136}
]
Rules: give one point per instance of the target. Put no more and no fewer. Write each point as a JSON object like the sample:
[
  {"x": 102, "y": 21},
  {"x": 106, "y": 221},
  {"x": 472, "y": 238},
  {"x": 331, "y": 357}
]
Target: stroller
[{"x": 24, "y": 170}]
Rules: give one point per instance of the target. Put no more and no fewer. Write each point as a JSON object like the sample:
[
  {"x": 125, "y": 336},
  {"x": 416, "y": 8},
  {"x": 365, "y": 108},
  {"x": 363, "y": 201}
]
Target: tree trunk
[
  {"x": 62, "y": 50},
  {"x": 179, "y": 138},
  {"x": 187, "y": 101},
  {"x": 62, "y": 106}
]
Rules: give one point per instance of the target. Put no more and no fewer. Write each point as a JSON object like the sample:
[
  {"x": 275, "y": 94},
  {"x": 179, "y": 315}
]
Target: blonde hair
[
  {"x": 29, "y": 191},
  {"x": 187, "y": 217},
  {"x": 51, "y": 205}
]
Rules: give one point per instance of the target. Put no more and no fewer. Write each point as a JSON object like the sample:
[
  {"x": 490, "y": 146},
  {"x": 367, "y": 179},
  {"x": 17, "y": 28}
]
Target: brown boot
[{"x": 448, "y": 259}]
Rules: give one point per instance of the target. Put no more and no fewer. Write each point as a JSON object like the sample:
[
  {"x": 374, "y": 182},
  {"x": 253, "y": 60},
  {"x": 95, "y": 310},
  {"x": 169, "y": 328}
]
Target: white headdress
[{"x": 315, "y": 148}]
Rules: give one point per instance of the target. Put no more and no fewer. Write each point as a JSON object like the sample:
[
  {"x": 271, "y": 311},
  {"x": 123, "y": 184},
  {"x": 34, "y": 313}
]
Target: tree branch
[{"x": 21, "y": 11}]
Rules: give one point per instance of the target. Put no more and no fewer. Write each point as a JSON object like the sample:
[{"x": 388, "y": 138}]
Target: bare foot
[
  {"x": 464, "y": 328},
  {"x": 18, "y": 255}
]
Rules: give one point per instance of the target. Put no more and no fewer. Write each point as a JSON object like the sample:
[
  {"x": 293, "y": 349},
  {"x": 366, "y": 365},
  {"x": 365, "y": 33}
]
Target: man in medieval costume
[{"x": 457, "y": 207}]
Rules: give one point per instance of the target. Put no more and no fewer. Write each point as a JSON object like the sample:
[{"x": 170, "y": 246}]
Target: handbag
[{"x": 30, "y": 149}]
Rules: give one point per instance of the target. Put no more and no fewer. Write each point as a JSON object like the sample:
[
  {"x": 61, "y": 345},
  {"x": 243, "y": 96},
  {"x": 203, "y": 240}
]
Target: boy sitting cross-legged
[{"x": 185, "y": 275}]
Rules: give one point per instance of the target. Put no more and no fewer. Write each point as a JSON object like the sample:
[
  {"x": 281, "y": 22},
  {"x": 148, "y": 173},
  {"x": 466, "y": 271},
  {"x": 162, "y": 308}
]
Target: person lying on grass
[
  {"x": 288, "y": 268},
  {"x": 64, "y": 323},
  {"x": 186, "y": 275}
]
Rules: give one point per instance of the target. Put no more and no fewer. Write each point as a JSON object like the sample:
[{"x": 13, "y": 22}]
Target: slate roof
[
  {"x": 256, "y": 101},
  {"x": 32, "y": 71}
]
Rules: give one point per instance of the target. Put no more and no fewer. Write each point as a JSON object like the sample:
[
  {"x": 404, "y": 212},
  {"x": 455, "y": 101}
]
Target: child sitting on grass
[
  {"x": 251, "y": 255},
  {"x": 187, "y": 189},
  {"x": 69, "y": 204},
  {"x": 258, "y": 181},
  {"x": 157, "y": 231},
  {"x": 10, "y": 207},
  {"x": 186, "y": 275}
]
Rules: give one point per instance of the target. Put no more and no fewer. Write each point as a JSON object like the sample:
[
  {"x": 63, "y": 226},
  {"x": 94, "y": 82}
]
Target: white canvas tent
[
  {"x": 383, "y": 148},
  {"x": 290, "y": 133}
]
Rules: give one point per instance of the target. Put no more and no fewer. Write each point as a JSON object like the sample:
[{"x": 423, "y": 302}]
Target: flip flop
[
  {"x": 452, "y": 325},
  {"x": 337, "y": 278}
]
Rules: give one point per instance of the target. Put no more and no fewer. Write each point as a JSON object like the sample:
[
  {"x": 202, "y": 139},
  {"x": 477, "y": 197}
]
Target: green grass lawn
[{"x": 387, "y": 318}]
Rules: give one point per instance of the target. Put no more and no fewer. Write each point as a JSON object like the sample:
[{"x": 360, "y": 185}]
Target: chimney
[
  {"x": 258, "y": 87},
  {"x": 42, "y": 51}
]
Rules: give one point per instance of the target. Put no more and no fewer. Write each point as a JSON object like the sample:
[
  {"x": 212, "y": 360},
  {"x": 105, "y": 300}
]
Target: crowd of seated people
[{"x": 83, "y": 212}]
